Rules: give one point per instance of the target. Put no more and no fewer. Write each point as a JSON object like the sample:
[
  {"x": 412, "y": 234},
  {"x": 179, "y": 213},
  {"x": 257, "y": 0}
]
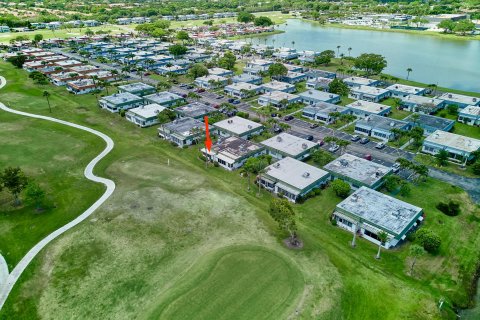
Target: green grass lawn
[
  {"x": 450, "y": 167},
  {"x": 164, "y": 243}
]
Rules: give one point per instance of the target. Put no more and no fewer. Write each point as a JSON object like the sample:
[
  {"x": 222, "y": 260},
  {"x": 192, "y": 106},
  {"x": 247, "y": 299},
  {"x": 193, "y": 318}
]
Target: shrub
[
  {"x": 341, "y": 188},
  {"x": 333, "y": 221},
  {"x": 122, "y": 113},
  {"x": 405, "y": 190},
  {"x": 429, "y": 240},
  {"x": 450, "y": 208},
  {"x": 476, "y": 168},
  {"x": 392, "y": 182}
]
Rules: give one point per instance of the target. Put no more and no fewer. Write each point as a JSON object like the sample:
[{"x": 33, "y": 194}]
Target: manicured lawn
[
  {"x": 450, "y": 167},
  {"x": 167, "y": 233},
  {"x": 395, "y": 114},
  {"x": 224, "y": 283}
]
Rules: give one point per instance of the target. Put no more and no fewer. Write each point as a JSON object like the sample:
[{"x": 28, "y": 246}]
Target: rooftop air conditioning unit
[
  {"x": 276, "y": 165},
  {"x": 306, "y": 174},
  {"x": 304, "y": 146},
  {"x": 279, "y": 138}
]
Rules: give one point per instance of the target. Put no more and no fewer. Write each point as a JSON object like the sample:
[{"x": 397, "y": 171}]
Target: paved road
[
  {"x": 471, "y": 185},
  {"x": 12, "y": 278}
]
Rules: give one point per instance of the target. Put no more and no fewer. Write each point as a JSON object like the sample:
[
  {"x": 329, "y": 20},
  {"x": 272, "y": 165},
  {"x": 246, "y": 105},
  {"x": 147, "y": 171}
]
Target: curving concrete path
[{"x": 7, "y": 284}]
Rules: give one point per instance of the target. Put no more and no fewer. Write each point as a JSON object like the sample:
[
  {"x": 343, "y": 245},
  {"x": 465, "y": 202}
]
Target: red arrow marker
[{"x": 208, "y": 141}]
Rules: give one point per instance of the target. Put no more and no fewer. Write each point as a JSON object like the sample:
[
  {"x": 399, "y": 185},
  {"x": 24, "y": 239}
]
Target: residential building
[
  {"x": 4, "y": 29},
  {"x": 120, "y": 101},
  {"x": 68, "y": 63},
  {"x": 380, "y": 127},
  {"x": 369, "y": 212},
  {"x": 220, "y": 72},
  {"x": 470, "y": 115},
  {"x": 165, "y": 98},
  {"x": 238, "y": 127},
  {"x": 83, "y": 69},
  {"x": 256, "y": 66},
  {"x": 138, "y": 88},
  {"x": 429, "y": 123},
  {"x": 144, "y": 116},
  {"x": 459, "y": 100},
  {"x": 293, "y": 77},
  {"x": 195, "y": 110},
  {"x": 278, "y": 99},
  {"x": 278, "y": 86},
  {"x": 182, "y": 131},
  {"x": 402, "y": 90},
  {"x": 211, "y": 82},
  {"x": 177, "y": 69},
  {"x": 242, "y": 90},
  {"x": 359, "y": 81},
  {"x": 287, "y": 145},
  {"x": 323, "y": 111},
  {"x": 319, "y": 83},
  {"x": 368, "y": 93},
  {"x": 358, "y": 172},
  {"x": 247, "y": 78},
  {"x": 232, "y": 152},
  {"x": 363, "y": 109},
  {"x": 422, "y": 104},
  {"x": 82, "y": 86},
  {"x": 312, "y": 97},
  {"x": 314, "y": 73},
  {"x": 61, "y": 78},
  {"x": 459, "y": 148},
  {"x": 285, "y": 53},
  {"x": 292, "y": 179}
]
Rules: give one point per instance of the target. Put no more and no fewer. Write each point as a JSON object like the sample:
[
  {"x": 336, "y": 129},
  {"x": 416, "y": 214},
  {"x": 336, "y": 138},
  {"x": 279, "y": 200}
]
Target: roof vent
[
  {"x": 343, "y": 162},
  {"x": 306, "y": 174},
  {"x": 449, "y": 95},
  {"x": 249, "y": 126},
  {"x": 304, "y": 146},
  {"x": 392, "y": 124},
  {"x": 276, "y": 165},
  {"x": 279, "y": 138}
]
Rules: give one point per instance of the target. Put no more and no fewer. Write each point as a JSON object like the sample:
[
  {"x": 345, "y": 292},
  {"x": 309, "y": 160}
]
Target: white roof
[
  {"x": 295, "y": 173},
  {"x": 367, "y": 106},
  {"x": 405, "y": 88},
  {"x": 237, "y": 125},
  {"x": 471, "y": 110},
  {"x": 453, "y": 140},
  {"x": 277, "y": 85},
  {"x": 288, "y": 144},
  {"x": 242, "y": 86},
  {"x": 459, "y": 98},
  {"x": 413, "y": 98},
  {"x": 370, "y": 90},
  {"x": 360, "y": 80},
  {"x": 278, "y": 96},
  {"x": 147, "y": 111}
]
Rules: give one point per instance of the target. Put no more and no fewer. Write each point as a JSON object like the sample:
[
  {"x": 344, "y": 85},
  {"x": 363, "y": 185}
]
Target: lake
[{"x": 447, "y": 63}]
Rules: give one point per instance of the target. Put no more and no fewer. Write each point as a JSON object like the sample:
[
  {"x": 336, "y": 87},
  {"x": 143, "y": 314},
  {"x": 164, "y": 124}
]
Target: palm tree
[
  {"x": 293, "y": 44},
  {"x": 341, "y": 58},
  {"x": 349, "y": 50},
  {"x": 408, "y": 72},
  {"x": 382, "y": 236},
  {"x": 338, "y": 50},
  {"x": 46, "y": 94}
]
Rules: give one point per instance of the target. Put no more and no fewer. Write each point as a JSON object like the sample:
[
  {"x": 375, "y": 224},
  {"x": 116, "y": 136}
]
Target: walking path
[{"x": 7, "y": 285}]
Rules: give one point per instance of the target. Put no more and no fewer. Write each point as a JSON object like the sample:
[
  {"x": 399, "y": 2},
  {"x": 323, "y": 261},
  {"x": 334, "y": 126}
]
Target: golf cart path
[{"x": 7, "y": 282}]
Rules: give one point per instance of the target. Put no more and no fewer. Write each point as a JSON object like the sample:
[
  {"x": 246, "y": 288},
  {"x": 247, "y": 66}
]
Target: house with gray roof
[
  {"x": 287, "y": 145},
  {"x": 138, "y": 88},
  {"x": 380, "y": 127},
  {"x": 242, "y": 90},
  {"x": 312, "y": 97},
  {"x": 278, "y": 99},
  {"x": 248, "y": 78},
  {"x": 323, "y": 111},
  {"x": 319, "y": 83},
  {"x": 429, "y": 123},
  {"x": 183, "y": 131},
  {"x": 196, "y": 110},
  {"x": 120, "y": 101},
  {"x": 422, "y": 104},
  {"x": 165, "y": 98},
  {"x": 211, "y": 81},
  {"x": 360, "y": 81},
  {"x": 369, "y": 212},
  {"x": 368, "y": 93},
  {"x": 144, "y": 116},
  {"x": 238, "y": 127},
  {"x": 363, "y": 109},
  {"x": 470, "y": 115},
  {"x": 278, "y": 86},
  {"x": 459, "y": 100},
  {"x": 459, "y": 148},
  {"x": 402, "y": 90}
]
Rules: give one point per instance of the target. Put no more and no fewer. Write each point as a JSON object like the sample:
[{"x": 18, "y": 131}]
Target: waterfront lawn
[{"x": 161, "y": 232}]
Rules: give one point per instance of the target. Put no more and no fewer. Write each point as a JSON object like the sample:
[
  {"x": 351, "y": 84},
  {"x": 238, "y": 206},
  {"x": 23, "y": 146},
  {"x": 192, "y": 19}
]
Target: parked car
[
  {"x": 368, "y": 157},
  {"x": 309, "y": 138},
  {"x": 219, "y": 97},
  {"x": 334, "y": 148},
  {"x": 355, "y": 138},
  {"x": 277, "y": 129},
  {"x": 364, "y": 140},
  {"x": 274, "y": 115},
  {"x": 230, "y": 100},
  {"x": 314, "y": 125},
  {"x": 396, "y": 167},
  {"x": 216, "y": 106},
  {"x": 183, "y": 85},
  {"x": 288, "y": 118},
  {"x": 190, "y": 87},
  {"x": 320, "y": 142},
  {"x": 380, "y": 145},
  {"x": 236, "y": 101},
  {"x": 200, "y": 90}
]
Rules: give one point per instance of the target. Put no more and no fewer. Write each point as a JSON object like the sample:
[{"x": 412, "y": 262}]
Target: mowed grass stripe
[{"x": 241, "y": 283}]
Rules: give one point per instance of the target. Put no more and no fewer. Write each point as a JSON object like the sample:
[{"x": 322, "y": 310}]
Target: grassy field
[{"x": 164, "y": 242}]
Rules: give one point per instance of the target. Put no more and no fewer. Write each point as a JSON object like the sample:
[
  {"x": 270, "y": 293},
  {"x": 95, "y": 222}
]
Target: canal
[{"x": 447, "y": 63}]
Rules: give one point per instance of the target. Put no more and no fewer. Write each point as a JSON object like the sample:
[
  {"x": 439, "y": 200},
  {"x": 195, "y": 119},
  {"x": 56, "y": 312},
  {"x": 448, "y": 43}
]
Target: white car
[
  {"x": 396, "y": 167},
  {"x": 334, "y": 148},
  {"x": 380, "y": 145}
]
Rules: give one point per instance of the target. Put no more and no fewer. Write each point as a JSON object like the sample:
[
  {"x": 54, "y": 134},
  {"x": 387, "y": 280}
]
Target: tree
[
  {"x": 371, "y": 63},
  {"x": 277, "y": 70},
  {"x": 476, "y": 168},
  {"x": 408, "y": 72},
  {"x": 349, "y": 50},
  {"x": 324, "y": 58},
  {"x": 263, "y": 21},
  {"x": 183, "y": 35},
  {"x": 17, "y": 60},
  {"x": 442, "y": 157},
  {"x": 382, "y": 237},
  {"x": 322, "y": 157},
  {"x": 15, "y": 181},
  {"x": 447, "y": 25},
  {"x": 34, "y": 194},
  {"x": 89, "y": 32},
  {"x": 464, "y": 26},
  {"x": 198, "y": 70},
  {"x": 415, "y": 251},
  {"x": 166, "y": 115},
  {"x": 282, "y": 212},
  {"x": 177, "y": 50},
  {"x": 254, "y": 166},
  {"x": 245, "y": 17},
  {"x": 341, "y": 188},
  {"x": 429, "y": 240},
  {"x": 227, "y": 61},
  {"x": 338, "y": 50},
  {"x": 418, "y": 20},
  {"x": 452, "y": 109},
  {"x": 46, "y": 94},
  {"x": 405, "y": 190},
  {"x": 37, "y": 38},
  {"x": 339, "y": 87},
  {"x": 392, "y": 182}
]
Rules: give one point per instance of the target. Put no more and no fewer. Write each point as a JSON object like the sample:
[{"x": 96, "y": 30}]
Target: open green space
[
  {"x": 165, "y": 229},
  {"x": 221, "y": 287},
  {"x": 431, "y": 161}
]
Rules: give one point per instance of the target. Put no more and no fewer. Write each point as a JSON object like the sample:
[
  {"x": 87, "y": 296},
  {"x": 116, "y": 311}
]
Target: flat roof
[
  {"x": 83, "y": 68},
  {"x": 358, "y": 169},
  {"x": 244, "y": 77},
  {"x": 137, "y": 86},
  {"x": 242, "y": 86},
  {"x": 295, "y": 173},
  {"x": 380, "y": 122},
  {"x": 288, "y": 144},
  {"x": 422, "y": 100},
  {"x": 431, "y": 121},
  {"x": 370, "y": 90},
  {"x": 162, "y": 97},
  {"x": 211, "y": 77},
  {"x": 318, "y": 95},
  {"x": 454, "y": 97},
  {"x": 405, "y": 88},
  {"x": 218, "y": 71},
  {"x": 370, "y": 107},
  {"x": 237, "y": 125},
  {"x": 360, "y": 81},
  {"x": 279, "y": 96},
  {"x": 320, "y": 80},
  {"x": 195, "y": 109},
  {"x": 453, "y": 140},
  {"x": 235, "y": 147},
  {"x": 381, "y": 210},
  {"x": 277, "y": 85},
  {"x": 259, "y": 62},
  {"x": 183, "y": 126},
  {"x": 147, "y": 111},
  {"x": 122, "y": 97},
  {"x": 471, "y": 110}
]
